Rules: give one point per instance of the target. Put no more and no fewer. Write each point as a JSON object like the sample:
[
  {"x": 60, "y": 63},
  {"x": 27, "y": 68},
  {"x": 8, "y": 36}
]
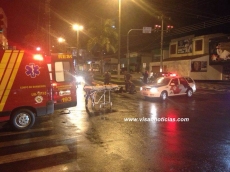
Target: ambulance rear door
[{"x": 63, "y": 81}]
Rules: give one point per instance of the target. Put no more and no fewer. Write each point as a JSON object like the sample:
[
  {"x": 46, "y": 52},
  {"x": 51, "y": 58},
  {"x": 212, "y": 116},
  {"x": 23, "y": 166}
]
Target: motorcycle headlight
[{"x": 153, "y": 90}]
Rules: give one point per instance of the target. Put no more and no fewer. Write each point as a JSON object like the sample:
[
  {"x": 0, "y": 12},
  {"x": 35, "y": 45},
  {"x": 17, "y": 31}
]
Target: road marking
[
  {"x": 27, "y": 131},
  {"x": 33, "y": 140},
  {"x": 33, "y": 154},
  {"x": 63, "y": 167}
]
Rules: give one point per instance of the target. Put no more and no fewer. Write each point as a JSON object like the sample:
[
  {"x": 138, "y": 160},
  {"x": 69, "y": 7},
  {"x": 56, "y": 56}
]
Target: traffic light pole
[{"x": 128, "y": 54}]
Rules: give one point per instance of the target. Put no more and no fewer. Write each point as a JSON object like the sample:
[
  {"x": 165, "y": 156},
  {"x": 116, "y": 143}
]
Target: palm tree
[{"x": 103, "y": 38}]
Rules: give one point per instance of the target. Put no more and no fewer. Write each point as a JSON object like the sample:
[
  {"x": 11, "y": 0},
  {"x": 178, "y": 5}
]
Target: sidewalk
[
  {"x": 207, "y": 85},
  {"x": 213, "y": 85}
]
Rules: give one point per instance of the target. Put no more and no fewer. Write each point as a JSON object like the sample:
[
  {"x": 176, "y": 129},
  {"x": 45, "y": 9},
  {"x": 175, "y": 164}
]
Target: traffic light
[
  {"x": 157, "y": 28},
  {"x": 169, "y": 28}
]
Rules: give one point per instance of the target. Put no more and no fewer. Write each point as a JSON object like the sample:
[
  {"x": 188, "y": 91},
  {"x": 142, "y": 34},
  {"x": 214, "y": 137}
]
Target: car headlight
[
  {"x": 153, "y": 90},
  {"x": 79, "y": 79}
]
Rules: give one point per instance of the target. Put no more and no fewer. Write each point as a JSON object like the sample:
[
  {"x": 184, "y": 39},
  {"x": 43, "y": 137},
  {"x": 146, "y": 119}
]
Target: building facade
[
  {"x": 197, "y": 57},
  {"x": 3, "y": 30}
]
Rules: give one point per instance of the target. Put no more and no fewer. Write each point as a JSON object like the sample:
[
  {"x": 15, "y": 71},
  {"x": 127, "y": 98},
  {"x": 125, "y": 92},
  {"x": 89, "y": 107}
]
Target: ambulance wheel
[
  {"x": 164, "y": 95},
  {"x": 22, "y": 119}
]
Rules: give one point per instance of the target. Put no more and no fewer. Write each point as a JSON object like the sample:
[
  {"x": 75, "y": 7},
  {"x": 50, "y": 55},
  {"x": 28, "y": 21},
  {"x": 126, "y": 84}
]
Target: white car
[{"x": 169, "y": 86}]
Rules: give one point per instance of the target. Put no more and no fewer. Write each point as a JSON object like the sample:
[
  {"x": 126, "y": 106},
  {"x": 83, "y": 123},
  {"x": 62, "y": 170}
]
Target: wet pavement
[{"x": 100, "y": 140}]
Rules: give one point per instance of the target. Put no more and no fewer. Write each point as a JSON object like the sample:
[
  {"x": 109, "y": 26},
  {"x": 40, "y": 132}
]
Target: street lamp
[
  {"x": 77, "y": 28},
  {"x": 61, "y": 40},
  {"x": 119, "y": 40}
]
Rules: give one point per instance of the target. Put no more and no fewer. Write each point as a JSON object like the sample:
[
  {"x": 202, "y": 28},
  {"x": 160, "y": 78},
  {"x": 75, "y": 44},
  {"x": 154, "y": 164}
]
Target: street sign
[{"x": 147, "y": 29}]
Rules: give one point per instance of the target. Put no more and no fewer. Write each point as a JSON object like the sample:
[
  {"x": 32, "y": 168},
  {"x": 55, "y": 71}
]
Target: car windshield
[{"x": 161, "y": 81}]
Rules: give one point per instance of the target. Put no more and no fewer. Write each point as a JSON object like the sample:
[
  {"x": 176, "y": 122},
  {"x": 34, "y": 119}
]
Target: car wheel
[
  {"x": 22, "y": 119},
  {"x": 189, "y": 93},
  {"x": 164, "y": 95}
]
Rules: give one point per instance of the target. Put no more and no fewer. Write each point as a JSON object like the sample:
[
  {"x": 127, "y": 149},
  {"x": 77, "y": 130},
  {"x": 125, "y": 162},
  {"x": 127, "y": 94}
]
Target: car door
[
  {"x": 183, "y": 85},
  {"x": 174, "y": 87}
]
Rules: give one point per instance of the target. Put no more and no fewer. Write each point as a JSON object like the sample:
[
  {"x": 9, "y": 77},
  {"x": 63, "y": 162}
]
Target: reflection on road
[{"x": 78, "y": 115}]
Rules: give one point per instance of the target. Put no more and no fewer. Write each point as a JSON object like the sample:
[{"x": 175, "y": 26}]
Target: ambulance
[{"x": 32, "y": 85}]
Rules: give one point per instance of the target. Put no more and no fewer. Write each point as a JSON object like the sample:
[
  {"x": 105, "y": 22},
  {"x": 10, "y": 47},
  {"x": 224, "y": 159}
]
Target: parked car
[{"x": 163, "y": 87}]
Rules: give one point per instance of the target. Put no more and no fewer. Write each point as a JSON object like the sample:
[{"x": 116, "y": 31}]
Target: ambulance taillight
[
  {"x": 38, "y": 57},
  {"x": 55, "y": 93}
]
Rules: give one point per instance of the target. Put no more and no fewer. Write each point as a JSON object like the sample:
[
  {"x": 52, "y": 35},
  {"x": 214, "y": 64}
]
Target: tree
[
  {"x": 39, "y": 38},
  {"x": 103, "y": 38}
]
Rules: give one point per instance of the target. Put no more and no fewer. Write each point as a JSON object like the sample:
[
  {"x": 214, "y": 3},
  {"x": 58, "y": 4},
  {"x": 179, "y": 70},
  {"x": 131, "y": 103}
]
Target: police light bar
[
  {"x": 173, "y": 74},
  {"x": 38, "y": 48},
  {"x": 38, "y": 57}
]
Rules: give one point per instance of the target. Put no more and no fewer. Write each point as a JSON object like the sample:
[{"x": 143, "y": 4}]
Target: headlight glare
[
  {"x": 153, "y": 90},
  {"x": 79, "y": 79}
]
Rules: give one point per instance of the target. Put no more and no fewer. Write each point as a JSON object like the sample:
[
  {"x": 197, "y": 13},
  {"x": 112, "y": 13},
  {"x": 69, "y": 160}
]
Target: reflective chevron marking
[
  {"x": 9, "y": 66},
  {"x": 5, "y": 70},
  {"x": 33, "y": 154}
]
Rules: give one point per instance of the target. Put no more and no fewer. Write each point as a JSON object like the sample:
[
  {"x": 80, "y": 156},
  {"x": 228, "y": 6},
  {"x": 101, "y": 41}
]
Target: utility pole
[
  {"x": 47, "y": 12},
  {"x": 119, "y": 40},
  {"x": 162, "y": 37},
  {"x": 157, "y": 27}
]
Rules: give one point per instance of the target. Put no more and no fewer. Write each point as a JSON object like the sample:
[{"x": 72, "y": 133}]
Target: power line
[{"x": 200, "y": 26}]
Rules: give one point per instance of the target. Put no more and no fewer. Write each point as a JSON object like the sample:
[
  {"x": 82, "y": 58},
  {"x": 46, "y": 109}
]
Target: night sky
[{"x": 24, "y": 16}]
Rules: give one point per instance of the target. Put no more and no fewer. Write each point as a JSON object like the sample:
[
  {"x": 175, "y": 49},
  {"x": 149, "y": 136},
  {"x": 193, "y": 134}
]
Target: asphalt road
[{"x": 102, "y": 140}]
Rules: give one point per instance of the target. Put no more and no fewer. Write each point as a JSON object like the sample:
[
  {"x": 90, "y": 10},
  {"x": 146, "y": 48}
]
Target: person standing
[
  {"x": 145, "y": 76},
  {"x": 107, "y": 77},
  {"x": 127, "y": 78},
  {"x": 89, "y": 81}
]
